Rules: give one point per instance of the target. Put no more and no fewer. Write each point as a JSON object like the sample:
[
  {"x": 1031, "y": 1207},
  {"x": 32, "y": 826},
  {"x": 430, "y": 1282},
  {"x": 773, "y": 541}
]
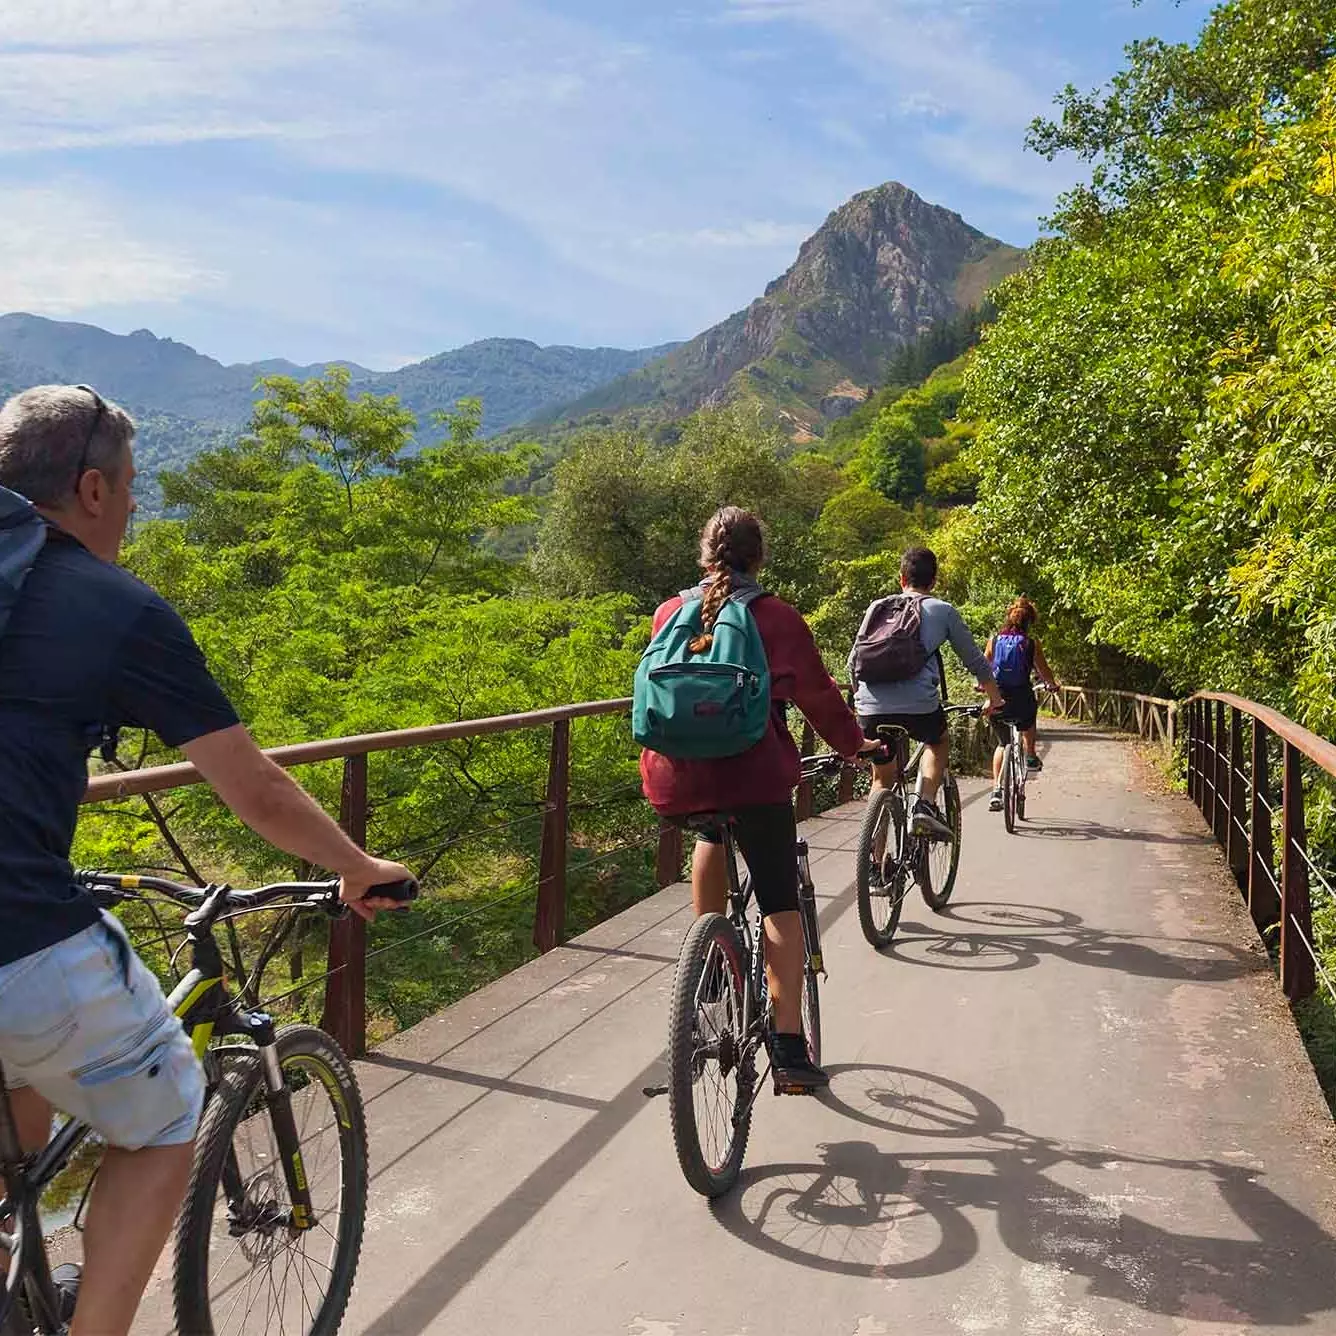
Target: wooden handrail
[
  {"x": 1318, "y": 750},
  {"x": 153, "y": 779}
]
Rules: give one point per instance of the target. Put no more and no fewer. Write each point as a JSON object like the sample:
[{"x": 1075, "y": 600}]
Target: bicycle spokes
[
  {"x": 267, "y": 1272},
  {"x": 721, "y": 1058}
]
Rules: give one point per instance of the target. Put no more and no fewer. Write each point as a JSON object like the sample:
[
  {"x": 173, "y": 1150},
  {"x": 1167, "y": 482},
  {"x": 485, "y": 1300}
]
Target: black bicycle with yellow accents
[{"x": 271, "y": 1229}]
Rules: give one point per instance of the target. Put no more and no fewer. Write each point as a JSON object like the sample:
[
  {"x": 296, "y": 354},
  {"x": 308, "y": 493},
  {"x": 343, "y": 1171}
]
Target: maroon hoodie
[{"x": 767, "y": 772}]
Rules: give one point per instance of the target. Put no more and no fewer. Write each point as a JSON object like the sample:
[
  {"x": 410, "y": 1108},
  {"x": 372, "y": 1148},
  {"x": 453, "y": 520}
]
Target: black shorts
[
  {"x": 929, "y": 728},
  {"x": 767, "y": 838},
  {"x": 1021, "y": 708}
]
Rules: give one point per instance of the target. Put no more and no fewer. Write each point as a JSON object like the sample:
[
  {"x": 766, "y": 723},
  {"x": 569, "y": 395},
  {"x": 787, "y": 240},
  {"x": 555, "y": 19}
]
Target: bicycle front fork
[
  {"x": 278, "y": 1102},
  {"x": 807, "y": 908}
]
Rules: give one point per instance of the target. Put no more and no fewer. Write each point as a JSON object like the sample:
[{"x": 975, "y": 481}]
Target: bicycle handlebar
[
  {"x": 827, "y": 763},
  {"x": 314, "y": 894}
]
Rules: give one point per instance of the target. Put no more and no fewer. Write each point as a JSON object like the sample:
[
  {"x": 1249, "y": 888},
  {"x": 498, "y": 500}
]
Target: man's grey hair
[{"x": 43, "y": 432}]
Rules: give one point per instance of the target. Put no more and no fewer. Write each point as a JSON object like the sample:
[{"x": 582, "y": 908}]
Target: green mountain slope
[
  {"x": 882, "y": 269},
  {"x": 515, "y": 378}
]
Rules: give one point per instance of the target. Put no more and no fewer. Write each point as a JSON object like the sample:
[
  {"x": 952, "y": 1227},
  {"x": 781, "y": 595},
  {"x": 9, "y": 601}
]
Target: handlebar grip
[
  {"x": 402, "y": 891},
  {"x": 882, "y": 756}
]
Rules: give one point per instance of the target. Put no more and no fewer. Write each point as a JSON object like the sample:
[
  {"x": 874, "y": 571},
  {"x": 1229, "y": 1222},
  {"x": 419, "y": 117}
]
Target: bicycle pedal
[{"x": 794, "y": 1089}]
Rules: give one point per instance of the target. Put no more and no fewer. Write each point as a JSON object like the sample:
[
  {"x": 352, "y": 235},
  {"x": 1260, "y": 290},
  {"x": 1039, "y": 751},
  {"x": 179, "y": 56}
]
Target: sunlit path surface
[{"x": 1073, "y": 1104}]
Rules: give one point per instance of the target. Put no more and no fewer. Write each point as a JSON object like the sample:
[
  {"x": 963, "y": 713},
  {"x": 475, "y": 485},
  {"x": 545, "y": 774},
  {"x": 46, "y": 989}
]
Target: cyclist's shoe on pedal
[
  {"x": 66, "y": 1278},
  {"x": 794, "y": 1072},
  {"x": 928, "y": 820},
  {"x": 1033, "y": 764},
  {"x": 995, "y": 802}
]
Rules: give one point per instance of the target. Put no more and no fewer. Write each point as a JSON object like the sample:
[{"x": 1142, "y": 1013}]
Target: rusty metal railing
[
  {"x": 1230, "y": 778},
  {"x": 1153, "y": 718},
  {"x": 345, "y": 980}
]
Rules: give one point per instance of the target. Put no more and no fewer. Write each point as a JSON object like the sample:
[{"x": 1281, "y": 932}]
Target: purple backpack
[{"x": 889, "y": 648}]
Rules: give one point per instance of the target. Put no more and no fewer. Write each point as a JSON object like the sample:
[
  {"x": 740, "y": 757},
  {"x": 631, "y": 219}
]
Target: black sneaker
[
  {"x": 794, "y": 1072},
  {"x": 1033, "y": 764},
  {"x": 928, "y": 820},
  {"x": 995, "y": 802},
  {"x": 67, "y": 1278}
]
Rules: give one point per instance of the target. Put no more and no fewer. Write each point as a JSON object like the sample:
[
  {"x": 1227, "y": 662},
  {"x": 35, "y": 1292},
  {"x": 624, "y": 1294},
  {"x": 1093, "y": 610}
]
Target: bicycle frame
[
  {"x": 206, "y": 1010},
  {"x": 751, "y": 931}
]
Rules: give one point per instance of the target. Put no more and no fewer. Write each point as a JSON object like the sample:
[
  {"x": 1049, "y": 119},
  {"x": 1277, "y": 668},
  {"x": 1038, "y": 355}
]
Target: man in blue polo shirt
[{"x": 84, "y": 1026}]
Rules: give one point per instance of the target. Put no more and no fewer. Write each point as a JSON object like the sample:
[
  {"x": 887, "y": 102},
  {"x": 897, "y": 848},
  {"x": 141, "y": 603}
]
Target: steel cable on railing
[{"x": 528, "y": 888}]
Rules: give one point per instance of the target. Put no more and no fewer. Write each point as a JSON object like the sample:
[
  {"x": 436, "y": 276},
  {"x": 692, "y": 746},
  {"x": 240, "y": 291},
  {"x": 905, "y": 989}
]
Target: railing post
[
  {"x": 1263, "y": 902},
  {"x": 1207, "y": 759},
  {"x": 345, "y": 988},
  {"x": 1194, "y": 751},
  {"x": 846, "y": 789},
  {"x": 550, "y": 916},
  {"x": 805, "y": 801},
  {"x": 1220, "y": 824},
  {"x": 668, "y": 863},
  {"x": 1236, "y": 850},
  {"x": 1297, "y": 975}
]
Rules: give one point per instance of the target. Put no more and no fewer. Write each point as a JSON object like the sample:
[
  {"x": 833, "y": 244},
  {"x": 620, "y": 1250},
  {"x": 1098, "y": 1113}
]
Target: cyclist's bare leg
[
  {"x": 883, "y": 777},
  {"x": 1030, "y": 736},
  {"x": 32, "y": 1122},
  {"x": 998, "y": 754},
  {"x": 709, "y": 879},
  {"x": 134, "y": 1205},
  {"x": 932, "y": 768},
  {"x": 785, "y": 955}
]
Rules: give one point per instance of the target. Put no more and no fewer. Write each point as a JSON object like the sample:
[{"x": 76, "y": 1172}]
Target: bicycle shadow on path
[
  {"x": 1024, "y": 935},
  {"x": 864, "y": 1210}
]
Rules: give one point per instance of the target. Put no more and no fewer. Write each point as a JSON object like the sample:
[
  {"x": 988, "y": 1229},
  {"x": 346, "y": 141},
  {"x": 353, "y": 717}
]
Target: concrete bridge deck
[{"x": 1074, "y": 1105}]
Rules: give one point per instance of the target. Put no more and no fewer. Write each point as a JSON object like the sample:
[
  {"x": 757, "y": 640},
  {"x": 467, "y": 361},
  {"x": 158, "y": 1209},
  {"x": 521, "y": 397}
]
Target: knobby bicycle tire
[
  {"x": 710, "y": 935},
  {"x": 301, "y": 1049},
  {"x": 936, "y": 895},
  {"x": 1009, "y": 790},
  {"x": 879, "y": 802}
]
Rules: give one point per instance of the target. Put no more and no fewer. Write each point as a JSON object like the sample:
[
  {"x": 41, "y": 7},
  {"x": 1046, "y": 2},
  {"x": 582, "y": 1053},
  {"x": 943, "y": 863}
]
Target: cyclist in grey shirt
[{"x": 916, "y": 704}]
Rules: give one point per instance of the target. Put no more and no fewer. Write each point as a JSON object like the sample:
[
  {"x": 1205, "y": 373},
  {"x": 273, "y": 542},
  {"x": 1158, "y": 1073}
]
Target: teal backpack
[{"x": 708, "y": 705}]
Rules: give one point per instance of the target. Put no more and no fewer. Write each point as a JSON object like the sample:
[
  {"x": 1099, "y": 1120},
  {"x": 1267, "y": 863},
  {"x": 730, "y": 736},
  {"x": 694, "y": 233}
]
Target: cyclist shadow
[
  {"x": 1074, "y": 828},
  {"x": 1027, "y": 934},
  {"x": 864, "y": 1210}
]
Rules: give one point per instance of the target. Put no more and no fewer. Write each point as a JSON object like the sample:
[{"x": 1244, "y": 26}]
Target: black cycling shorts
[
  {"x": 929, "y": 728},
  {"x": 1021, "y": 708},
  {"x": 767, "y": 838}
]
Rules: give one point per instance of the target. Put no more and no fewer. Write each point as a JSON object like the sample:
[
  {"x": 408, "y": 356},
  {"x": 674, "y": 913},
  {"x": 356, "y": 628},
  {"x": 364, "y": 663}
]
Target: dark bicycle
[
  {"x": 1015, "y": 772},
  {"x": 719, "y": 1018},
  {"x": 891, "y": 856},
  {"x": 271, "y": 1229}
]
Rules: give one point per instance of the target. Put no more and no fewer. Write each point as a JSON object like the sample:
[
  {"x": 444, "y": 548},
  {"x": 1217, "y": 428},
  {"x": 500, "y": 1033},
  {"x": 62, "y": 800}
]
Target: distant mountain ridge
[
  {"x": 881, "y": 270},
  {"x": 515, "y": 378}
]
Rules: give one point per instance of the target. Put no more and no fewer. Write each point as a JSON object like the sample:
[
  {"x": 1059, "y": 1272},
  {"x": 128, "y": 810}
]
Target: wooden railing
[
  {"x": 345, "y": 981},
  {"x": 1232, "y": 746},
  {"x": 1153, "y": 718}
]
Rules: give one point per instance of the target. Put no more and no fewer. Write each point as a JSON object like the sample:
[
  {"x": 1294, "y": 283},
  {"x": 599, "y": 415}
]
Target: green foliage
[
  {"x": 1156, "y": 391},
  {"x": 626, "y": 514}
]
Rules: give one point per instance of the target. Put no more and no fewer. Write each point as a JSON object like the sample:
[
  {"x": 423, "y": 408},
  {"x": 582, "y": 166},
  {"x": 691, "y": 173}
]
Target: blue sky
[{"x": 383, "y": 179}]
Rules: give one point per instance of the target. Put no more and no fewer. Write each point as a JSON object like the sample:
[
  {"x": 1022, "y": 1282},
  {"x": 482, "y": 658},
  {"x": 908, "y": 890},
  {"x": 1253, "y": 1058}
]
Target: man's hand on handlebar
[
  {"x": 994, "y": 694},
  {"x": 357, "y": 889},
  {"x": 874, "y": 752}
]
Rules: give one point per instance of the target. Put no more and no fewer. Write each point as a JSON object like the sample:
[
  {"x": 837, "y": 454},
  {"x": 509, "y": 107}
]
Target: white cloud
[
  {"x": 63, "y": 251},
  {"x": 760, "y": 234},
  {"x": 62, "y": 24}
]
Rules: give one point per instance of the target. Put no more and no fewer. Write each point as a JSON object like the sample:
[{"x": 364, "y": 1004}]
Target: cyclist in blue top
[
  {"x": 83, "y": 1023},
  {"x": 1015, "y": 656}
]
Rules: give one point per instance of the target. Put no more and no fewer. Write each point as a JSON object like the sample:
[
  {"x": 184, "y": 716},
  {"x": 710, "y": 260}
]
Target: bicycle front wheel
[
  {"x": 880, "y": 878},
  {"x": 1009, "y": 787},
  {"x": 711, "y": 1068},
  {"x": 242, "y": 1266},
  {"x": 941, "y": 858}
]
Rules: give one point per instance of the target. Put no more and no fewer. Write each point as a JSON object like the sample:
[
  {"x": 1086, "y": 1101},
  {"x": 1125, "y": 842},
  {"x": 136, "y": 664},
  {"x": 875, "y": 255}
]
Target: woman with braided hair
[{"x": 756, "y": 786}]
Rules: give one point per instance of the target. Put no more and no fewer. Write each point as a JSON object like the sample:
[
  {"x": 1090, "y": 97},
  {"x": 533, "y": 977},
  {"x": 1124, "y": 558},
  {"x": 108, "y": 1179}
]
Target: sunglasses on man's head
[{"x": 92, "y": 431}]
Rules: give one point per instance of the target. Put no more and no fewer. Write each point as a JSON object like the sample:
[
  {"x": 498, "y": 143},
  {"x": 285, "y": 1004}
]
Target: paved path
[{"x": 1074, "y": 1105}]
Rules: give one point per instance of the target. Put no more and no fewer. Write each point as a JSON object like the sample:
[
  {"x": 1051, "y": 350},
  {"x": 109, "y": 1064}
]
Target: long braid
[{"x": 731, "y": 544}]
